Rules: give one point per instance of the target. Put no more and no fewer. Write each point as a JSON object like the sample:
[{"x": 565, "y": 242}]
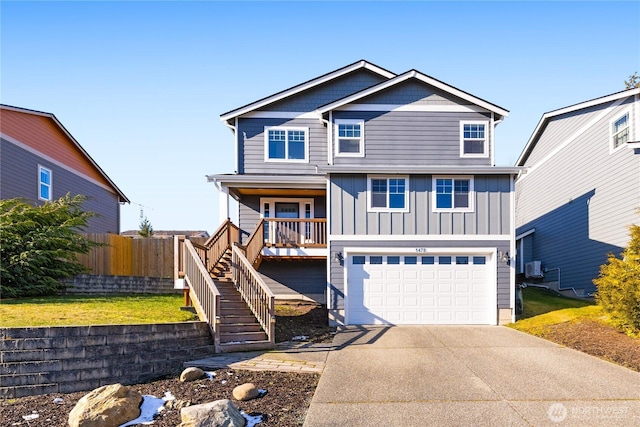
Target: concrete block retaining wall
[
  {"x": 88, "y": 284},
  {"x": 80, "y": 358}
]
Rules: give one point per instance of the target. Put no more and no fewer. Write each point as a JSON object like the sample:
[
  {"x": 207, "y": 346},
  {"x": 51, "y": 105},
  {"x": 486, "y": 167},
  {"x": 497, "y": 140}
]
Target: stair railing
[
  {"x": 205, "y": 296},
  {"x": 215, "y": 247},
  {"x": 255, "y": 244},
  {"x": 255, "y": 292}
]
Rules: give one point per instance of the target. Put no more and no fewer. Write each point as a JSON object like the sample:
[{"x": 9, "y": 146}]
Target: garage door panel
[{"x": 419, "y": 290}]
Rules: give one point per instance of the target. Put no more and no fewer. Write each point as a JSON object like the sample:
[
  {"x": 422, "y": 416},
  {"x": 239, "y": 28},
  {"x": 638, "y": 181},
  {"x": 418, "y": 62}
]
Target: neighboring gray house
[
  {"x": 40, "y": 161},
  {"x": 378, "y": 196},
  {"x": 581, "y": 191}
]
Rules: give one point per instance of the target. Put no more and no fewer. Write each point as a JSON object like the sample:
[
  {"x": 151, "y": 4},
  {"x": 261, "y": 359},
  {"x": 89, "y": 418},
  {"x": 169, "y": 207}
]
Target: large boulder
[
  {"x": 107, "y": 406},
  {"x": 246, "y": 391},
  {"x": 191, "y": 374},
  {"x": 221, "y": 413}
]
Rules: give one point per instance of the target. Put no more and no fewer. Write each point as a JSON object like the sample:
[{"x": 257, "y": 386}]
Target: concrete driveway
[{"x": 468, "y": 376}]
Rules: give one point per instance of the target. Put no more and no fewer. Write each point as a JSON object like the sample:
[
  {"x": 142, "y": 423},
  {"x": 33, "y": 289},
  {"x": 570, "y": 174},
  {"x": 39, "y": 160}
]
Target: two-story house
[
  {"x": 41, "y": 161},
  {"x": 376, "y": 193},
  {"x": 581, "y": 191}
]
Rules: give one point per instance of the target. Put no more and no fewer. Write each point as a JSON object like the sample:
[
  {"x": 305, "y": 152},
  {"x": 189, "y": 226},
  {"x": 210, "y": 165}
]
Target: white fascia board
[
  {"x": 422, "y": 77},
  {"x": 417, "y": 238},
  {"x": 417, "y": 170},
  {"x": 570, "y": 109},
  {"x": 441, "y": 108},
  {"x": 304, "y": 86},
  {"x": 269, "y": 181}
]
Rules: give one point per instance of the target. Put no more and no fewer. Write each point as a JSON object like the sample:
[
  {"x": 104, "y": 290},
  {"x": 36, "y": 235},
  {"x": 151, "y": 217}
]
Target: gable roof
[
  {"x": 362, "y": 64},
  {"x": 76, "y": 144},
  {"x": 414, "y": 74},
  {"x": 546, "y": 117}
]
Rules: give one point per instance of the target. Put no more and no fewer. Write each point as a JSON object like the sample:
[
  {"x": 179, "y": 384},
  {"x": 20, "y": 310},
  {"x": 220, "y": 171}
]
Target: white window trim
[
  {"x": 338, "y": 122},
  {"x": 625, "y": 112},
  {"x": 50, "y": 185},
  {"x": 273, "y": 200},
  {"x": 483, "y": 155},
  {"x": 286, "y": 147},
  {"x": 472, "y": 193},
  {"x": 387, "y": 177}
]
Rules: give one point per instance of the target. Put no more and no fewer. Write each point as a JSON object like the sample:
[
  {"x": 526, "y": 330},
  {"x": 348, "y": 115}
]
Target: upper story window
[
  {"x": 619, "y": 131},
  {"x": 350, "y": 138},
  {"x": 453, "y": 194},
  {"x": 44, "y": 183},
  {"x": 286, "y": 144},
  {"x": 474, "y": 139},
  {"x": 388, "y": 193}
]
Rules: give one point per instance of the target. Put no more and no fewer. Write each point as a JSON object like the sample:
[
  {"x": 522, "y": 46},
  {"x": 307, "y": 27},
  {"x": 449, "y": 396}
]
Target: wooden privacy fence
[{"x": 126, "y": 256}]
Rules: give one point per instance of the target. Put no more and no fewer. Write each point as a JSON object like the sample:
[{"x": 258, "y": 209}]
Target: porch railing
[
  {"x": 255, "y": 292},
  {"x": 307, "y": 232},
  {"x": 205, "y": 296}
]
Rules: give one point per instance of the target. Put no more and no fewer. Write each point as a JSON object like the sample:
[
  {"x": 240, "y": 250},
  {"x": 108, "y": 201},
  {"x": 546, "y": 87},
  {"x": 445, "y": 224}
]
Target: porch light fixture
[
  {"x": 339, "y": 257},
  {"x": 504, "y": 257}
]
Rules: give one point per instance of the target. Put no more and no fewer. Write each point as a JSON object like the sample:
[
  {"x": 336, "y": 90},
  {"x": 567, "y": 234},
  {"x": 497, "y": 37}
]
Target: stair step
[
  {"x": 235, "y": 319},
  {"x": 240, "y": 327},
  {"x": 245, "y": 346},
  {"x": 234, "y": 305},
  {"x": 226, "y": 337}
]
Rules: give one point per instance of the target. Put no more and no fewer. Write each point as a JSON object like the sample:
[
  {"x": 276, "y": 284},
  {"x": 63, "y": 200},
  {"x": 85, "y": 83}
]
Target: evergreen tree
[{"x": 146, "y": 230}]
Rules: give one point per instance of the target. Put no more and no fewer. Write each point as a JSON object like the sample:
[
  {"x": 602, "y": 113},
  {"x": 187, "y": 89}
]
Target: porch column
[{"x": 223, "y": 203}]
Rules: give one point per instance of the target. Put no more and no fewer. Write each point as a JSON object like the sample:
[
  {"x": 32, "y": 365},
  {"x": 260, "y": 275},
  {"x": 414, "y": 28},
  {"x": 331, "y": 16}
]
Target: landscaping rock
[
  {"x": 191, "y": 374},
  {"x": 246, "y": 391},
  {"x": 107, "y": 406},
  {"x": 221, "y": 413}
]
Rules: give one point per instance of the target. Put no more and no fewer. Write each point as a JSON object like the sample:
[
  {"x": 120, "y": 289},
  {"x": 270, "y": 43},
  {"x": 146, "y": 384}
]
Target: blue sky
[{"x": 141, "y": 85}]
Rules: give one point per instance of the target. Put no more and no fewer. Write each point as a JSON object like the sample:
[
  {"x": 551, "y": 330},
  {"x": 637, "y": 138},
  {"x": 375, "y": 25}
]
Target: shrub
[
  {"x": 619, "y": 286},
  {"x": 39, "y": 245}
]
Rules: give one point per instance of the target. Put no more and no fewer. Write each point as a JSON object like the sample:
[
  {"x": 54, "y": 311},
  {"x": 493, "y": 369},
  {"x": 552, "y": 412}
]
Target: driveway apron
[{"x": 468, "y": 376}]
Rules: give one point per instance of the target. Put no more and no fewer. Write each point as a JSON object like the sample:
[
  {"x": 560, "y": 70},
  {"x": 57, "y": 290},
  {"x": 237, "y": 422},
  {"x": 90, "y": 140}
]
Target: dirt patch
[
  {"x": 597, "y": 339},
  {"x": 295, "y": 321}
]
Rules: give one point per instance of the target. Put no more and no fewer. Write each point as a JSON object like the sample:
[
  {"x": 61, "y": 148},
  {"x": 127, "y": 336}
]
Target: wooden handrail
[
  {"x": 215, "y": 247},
  {"x": 255, "y": 244},
  {"x": 296, "y": 232},
  {"x": 255, "y": 292},
  {"x": 205, "y": 295}
]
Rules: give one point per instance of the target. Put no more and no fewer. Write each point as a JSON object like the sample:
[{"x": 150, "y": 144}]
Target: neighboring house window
[
  {"x": 474, "y": 139},
  {"x": 620, "y": 131},
  {"x": 388, "y": 193},
  {"x": 350, "y": 138},
  {"x": 286, "y": 144},
  {"x": 44, "y": 183},
  {"x": 453, "y": 194}
]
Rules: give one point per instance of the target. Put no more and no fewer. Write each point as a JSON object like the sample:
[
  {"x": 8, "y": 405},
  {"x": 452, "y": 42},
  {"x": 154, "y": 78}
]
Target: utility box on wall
[{"x": 533, "y": 270}]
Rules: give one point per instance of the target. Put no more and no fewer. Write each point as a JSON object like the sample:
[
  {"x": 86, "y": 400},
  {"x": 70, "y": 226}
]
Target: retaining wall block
[
  {"x": 74, "y": 364},
  {"x": 21, "y": 356},
  {"x": 88, "y": 385}
]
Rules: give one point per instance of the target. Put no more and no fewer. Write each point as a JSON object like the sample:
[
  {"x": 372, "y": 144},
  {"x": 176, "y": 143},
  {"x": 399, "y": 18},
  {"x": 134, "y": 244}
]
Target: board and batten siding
[
  {"x": 249, "y": 212},
  {"x": 412, "y": 138},
  {"x": 336, "y": 289},
  {"x": 19, "y": 171},
  {"x": 413, "y": 92},
  {"x": 337, "y": 88},
  {"x": 580, "y": 201},
  {"x": 252, "y": 147},
  {"x": 350, "y": 216}
]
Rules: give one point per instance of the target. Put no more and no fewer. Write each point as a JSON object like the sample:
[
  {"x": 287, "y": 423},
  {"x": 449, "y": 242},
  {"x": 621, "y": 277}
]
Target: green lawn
[
  {"x": 92, "y": 310},
  {"x": 543, "y": 308}
]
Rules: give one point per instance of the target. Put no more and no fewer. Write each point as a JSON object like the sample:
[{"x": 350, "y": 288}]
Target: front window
[
  {"x": 286, "y": 144},
  {"x": 620, "y": 131},
  {"x": 388, "y": 193},
  {"x": 453, "y": 194},
  {"x": 350, "y": 138},
  {"x": 473, "y": 139},
  {"x": 44, "y": 186}
]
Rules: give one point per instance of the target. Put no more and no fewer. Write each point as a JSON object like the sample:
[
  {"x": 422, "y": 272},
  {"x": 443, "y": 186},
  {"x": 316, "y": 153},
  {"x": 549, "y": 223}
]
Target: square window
[
  {"x": 393, "y": 260},
  {"x": 358, "y": 259},
  {"x": 444, "y": 260},
  {"x": 453, "y": 194},
  {"x": 388, "y": 194},
  {"x": 286, "y": 144},
  {"x": 410, "y": 260},
  {"x": 375, "y": 260},
  {"x": 479, "y": 260},
  {"x": 473, "y": 139},
  {"x": 620, "y": 131},
  {"x": 462, "y": 260},
  {"x": 350, "y": 138},
  {"x": 428, "y": 260}
]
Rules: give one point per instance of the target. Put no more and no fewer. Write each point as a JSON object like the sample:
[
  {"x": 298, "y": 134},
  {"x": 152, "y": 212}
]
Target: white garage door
[{"x": 410, "y": 289}]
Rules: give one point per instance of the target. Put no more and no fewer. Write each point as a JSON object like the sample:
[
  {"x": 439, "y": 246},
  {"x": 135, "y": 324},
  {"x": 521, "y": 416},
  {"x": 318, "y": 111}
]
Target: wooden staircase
[{"x": 239, "y": 328}]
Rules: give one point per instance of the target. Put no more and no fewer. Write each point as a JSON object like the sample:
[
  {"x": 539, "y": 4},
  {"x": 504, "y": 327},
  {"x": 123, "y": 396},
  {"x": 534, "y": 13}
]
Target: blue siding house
[
  {"x": 376, "y": 194},
  {"x": 581, "y": 191}
]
